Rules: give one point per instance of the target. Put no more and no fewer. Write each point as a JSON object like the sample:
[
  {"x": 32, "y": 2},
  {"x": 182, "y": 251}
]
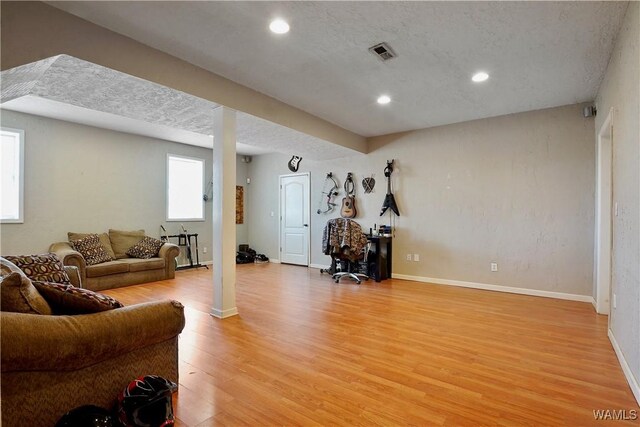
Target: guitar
[
  {"x": 389, "y": 200},
  {"x": 294, "y": 163},
  {"x": 349, "y": 209}
]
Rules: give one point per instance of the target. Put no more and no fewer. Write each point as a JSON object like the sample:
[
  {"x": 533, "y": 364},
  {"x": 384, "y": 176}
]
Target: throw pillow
[
  {"x": 121, "y": 241},
  {"x": 91, "y": 249},
  {"x": 146, "y": 248},
  {"x": 67, "y": 299},
  {"x": 45, "y": 267},
  {"x": 104, "y": 239},
  {"x": 18, "y": 295}
]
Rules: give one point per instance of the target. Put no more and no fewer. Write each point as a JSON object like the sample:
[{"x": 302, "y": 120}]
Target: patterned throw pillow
[
  {"x": 91, "y": 249},
  {"x": 146, "y": 248},
  {"x": 18, "y": 295},
  {"x": 67, "y": 299},
  {"x": 104, "y": 239},
  {"x": 45, "y": 267}
]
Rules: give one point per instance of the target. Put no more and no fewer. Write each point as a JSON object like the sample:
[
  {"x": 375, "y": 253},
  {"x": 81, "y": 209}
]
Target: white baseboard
[
  {"x": 274, "y": 261},
  {"x": 320, "y": 266},
  {"x": 497, "y": 288},
  {"x": 223, "y": 314},
  {"x": 631, "y": 379},
  {"x": 594, "y": 304}
]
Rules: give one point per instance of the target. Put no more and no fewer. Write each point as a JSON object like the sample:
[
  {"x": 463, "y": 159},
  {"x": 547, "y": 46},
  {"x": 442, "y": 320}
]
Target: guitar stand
[{"x": 184, "y": 240}]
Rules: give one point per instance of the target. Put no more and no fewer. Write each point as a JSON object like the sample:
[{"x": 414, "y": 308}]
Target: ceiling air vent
[{"x": 383, "y": 51}]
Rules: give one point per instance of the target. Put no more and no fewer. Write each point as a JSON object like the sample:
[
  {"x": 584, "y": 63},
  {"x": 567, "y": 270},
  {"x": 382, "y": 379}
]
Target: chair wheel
[
  {"x": 337, "y": 280},
  {"x": 358, "y": 282}
]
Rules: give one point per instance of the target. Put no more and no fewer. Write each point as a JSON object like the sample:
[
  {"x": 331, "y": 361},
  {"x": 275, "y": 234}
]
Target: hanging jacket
[{"x": 343, "y": 235}]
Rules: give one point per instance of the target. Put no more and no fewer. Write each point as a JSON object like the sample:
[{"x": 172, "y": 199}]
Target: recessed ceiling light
[
  {"x": 384, "y": 99},
  {"x": 480, "y": 77},
  {"x": 279, "y": 26}
]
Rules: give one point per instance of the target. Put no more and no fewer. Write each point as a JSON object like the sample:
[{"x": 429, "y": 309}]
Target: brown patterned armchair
[{"x": 51, "y": 364}]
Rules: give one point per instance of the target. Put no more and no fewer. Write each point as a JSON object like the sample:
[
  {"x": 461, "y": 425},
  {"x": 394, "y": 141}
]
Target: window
[
  {"x": 11, "y": 175},
  {"x": 185, "y": 188}
]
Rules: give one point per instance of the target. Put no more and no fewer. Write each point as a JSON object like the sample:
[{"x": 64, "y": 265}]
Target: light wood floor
[{"x": 307, "y": 351}]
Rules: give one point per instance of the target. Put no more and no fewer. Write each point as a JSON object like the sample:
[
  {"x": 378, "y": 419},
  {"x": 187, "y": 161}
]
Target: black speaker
[{"x": 589, "y": 111}]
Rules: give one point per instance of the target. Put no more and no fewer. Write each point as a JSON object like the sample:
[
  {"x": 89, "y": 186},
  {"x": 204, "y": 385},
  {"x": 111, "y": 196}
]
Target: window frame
[
  {"x": 20, "y": 219},
  {"x": 204, "y": 173}
]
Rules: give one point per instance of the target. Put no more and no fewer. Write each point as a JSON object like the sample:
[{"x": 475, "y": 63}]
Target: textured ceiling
[
  {"x": 67, "y": 88},
  {"x": 539, "y": 54}
]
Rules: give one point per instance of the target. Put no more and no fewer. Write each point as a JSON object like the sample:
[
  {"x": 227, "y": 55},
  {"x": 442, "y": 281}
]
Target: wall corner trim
[
  {"x": 633, "y": 381},
  {"x": 497, "y": 288}
]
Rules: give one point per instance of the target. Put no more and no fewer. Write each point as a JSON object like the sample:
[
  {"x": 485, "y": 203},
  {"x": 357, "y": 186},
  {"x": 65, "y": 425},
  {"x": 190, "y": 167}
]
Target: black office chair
[
  {"x": 345, "y": 242},
  {"x": 346, "y": 261}
]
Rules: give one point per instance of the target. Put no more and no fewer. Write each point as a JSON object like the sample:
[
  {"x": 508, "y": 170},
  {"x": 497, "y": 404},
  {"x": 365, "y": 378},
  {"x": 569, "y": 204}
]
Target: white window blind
[
  {"x": 11, "y": 175},
  {"x": 185, "y": 188}
]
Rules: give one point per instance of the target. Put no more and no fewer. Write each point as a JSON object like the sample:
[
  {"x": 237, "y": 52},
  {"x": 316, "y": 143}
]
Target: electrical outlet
[
  {"x": 408, "y": 257},
  {"x": 416, "y": 257},
  {"x": 615, "y": 301},
  {"x": 494, "y": 266},
  {"x": 204, "y": 250}
]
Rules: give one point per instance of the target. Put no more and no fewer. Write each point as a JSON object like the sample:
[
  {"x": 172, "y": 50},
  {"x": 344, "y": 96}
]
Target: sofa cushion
[
  {"x": 67, "y": 299},
  {"x": 121, "y": 241},
  {"x": 104, "y": 239},
  {"x": 17, "y": 293},
  {"x": 91, "y": 249},
  {"x": 146, "y": 248},
  {"x": 45, "y": 267},
  {"x": 145, "y": 264},
  {"x": 106, "y": 268}
]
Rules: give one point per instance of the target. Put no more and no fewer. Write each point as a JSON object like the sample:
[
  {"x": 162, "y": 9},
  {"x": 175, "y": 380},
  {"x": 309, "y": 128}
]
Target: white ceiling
[
  {"x": 70, "y": 89},
  {"x": 539, "y": 54}
]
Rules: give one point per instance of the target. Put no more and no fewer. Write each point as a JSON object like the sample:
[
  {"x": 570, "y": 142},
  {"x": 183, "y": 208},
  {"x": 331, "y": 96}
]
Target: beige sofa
[{"x": 124, "y": 271}]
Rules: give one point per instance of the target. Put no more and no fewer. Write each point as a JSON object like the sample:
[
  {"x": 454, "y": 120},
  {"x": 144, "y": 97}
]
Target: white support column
[{"x": 224, "y": 213}]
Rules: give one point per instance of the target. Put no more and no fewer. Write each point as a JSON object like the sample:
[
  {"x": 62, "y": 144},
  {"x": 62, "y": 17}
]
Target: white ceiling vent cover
[{"x": 383, "y": 51}]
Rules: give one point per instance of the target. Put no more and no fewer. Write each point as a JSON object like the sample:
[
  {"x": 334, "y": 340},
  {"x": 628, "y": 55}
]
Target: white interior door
[{"x": 294, "y": 219}]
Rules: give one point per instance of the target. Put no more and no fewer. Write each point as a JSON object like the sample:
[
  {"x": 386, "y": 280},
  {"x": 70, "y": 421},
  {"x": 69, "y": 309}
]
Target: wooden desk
[{"x": 379, "y": 258}]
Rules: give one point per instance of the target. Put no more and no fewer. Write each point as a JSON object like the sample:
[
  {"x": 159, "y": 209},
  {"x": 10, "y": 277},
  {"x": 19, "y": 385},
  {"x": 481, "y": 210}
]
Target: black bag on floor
[{"x": 244, "y": 258}]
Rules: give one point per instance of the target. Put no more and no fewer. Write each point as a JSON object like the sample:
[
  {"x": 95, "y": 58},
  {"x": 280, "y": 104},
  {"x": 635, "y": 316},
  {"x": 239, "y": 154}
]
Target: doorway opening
[{"x": 604, "y": 220}]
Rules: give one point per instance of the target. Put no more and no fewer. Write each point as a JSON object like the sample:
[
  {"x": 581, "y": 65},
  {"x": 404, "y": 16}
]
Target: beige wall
[
  {"x": 620, "y": 90},
  {"x": 86, "y": 179},
  {"x": 31, "y": 31},
  {"x": 516, "y": 189}
]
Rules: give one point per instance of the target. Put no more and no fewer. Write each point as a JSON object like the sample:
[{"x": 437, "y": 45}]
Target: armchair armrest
[
  {"x": 68, "y": 343},
  {"x": 69, "y": 256}
]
